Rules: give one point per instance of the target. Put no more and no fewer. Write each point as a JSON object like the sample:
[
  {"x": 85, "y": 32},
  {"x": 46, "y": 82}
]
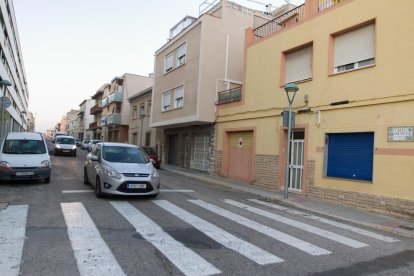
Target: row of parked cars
[{"x": 111, "y": 168}]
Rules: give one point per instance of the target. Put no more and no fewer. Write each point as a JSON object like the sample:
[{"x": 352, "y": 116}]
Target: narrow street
[{"x": 192, "y": 228}]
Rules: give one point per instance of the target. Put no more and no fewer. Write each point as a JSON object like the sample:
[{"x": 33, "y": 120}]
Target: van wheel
[{"x": 98, "y": 191}]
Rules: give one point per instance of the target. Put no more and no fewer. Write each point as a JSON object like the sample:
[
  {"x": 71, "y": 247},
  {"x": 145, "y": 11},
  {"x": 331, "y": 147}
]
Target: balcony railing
[
  {"x": 94, "y": 125},
  {"x": 292, "y": 16},
  {"x": 104, "y": 102},
  {"x": 278, "y": 23},
  {"x": 229, "y": 96},
  {"x": 113, "y": 119},
  {"x": 96, "y": 109},
  {"x": 115, "y": 97}
]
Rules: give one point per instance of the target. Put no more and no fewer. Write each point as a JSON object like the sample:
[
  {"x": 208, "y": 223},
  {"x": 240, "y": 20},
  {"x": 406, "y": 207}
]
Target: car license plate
[
  {"x": 24, "y": 173},
  {"x": 137, "y": 186},
  {"x": 65, "y": 150}
]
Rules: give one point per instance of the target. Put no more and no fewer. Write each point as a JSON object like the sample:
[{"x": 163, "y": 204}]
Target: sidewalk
[{"x": 353, "y": 215}]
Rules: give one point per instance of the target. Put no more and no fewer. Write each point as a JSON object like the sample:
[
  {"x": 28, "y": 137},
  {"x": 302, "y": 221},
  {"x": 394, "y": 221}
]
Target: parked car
[
  {"x": 24, "y": 155},
  {"x": 92, "y": 143},
  {"x": 153, "y": 155},
  {"x": 65, "y": 145},
  {"x": 121, "y": 169},
  {"x": 84, "y": 144},
  {"x": 77, "y": 142}
]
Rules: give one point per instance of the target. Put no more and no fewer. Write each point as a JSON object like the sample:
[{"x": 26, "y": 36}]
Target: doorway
[{"x": 296, "y": 161}]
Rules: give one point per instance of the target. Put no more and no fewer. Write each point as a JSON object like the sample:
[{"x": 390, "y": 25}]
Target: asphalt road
[{"x": 192, "y": 228}]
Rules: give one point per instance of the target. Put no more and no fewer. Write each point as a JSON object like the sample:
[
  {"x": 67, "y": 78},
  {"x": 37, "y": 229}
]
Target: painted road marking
[
  {"x": 91, "y": 252},
  {"x": 12, "y": 236},
  {"x": 177, "y": 191},
  {"x": 186, "y": 260},
  {"x": 76, "y": 191},
  {"x": 273, "y": 233},
  {"x": 228, "y": 240},
  {"x": 327, "y": 221},
  {"x": 303, "y": 226}
]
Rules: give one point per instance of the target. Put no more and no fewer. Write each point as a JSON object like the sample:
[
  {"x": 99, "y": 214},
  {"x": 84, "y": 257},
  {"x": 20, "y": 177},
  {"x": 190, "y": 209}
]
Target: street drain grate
[{"x": 406, "y": 227}]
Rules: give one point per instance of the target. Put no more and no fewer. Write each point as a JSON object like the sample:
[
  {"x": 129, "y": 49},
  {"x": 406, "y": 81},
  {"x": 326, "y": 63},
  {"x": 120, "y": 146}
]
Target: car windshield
[
  {"x": 151, "y": 151},
  {"x": 65, "y": 140},
  {"x": 24, "y": 147},
  {"x": 119, "y": 154},
  {"x": 95, "y": 142}
]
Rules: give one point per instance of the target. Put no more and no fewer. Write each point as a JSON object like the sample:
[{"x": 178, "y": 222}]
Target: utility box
[{"x": 285, "y": 115}]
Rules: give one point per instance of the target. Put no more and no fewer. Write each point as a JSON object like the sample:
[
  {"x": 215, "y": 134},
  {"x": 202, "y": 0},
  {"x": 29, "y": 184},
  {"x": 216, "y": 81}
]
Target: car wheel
[
  {"x": 85, "y": 177},
  {"x": 74, "y": 155},
  {"x": 47, "y": 180},
  {"x": 98, "y": 191}
]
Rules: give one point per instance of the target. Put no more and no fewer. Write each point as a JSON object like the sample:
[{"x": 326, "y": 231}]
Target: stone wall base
[{"x": 400, "y": 208}]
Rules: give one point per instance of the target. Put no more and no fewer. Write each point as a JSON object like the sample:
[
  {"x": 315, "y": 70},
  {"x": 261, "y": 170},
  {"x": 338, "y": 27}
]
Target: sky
[{"x": 72, "y": 47}]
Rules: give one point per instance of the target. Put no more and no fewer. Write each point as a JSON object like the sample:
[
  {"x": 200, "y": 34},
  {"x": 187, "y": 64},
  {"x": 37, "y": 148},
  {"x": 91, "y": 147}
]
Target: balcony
[
  {"x": 94, "y": 126},
  {"x": 115, "y": 97},
  {"x": 104, "y": 102},
  {"x": 228, "y": 96},
  {"x": 96, "y": 109},
  {"x": 292, "y": 17},
  {"x": 114, "y": 119}
]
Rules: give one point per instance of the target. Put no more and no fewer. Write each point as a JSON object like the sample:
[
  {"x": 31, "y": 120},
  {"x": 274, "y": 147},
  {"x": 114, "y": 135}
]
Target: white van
[{"x": 24, "y": 155}]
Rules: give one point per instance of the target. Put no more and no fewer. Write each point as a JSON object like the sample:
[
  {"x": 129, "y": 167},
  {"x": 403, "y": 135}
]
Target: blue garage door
[{"x": 350, "y": 155}]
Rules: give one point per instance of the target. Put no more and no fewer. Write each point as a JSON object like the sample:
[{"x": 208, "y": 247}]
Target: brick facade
[{"x": 266, "y": 171}]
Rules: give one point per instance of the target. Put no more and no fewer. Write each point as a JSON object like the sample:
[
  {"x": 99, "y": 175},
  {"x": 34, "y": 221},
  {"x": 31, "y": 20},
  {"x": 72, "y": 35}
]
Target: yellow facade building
[{"x": 352, "y": 142}]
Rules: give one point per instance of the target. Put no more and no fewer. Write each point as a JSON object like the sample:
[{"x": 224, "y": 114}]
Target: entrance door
[
  {"x": 199, "y": 160},
  {"x": 296, "y": 161},
  {"x": 240, "y": 156},
  {"x": 172, "y": 149}
]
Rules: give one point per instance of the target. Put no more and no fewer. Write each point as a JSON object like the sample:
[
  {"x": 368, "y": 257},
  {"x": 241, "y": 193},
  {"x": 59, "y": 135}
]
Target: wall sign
[{"x": 400, "y": 134}]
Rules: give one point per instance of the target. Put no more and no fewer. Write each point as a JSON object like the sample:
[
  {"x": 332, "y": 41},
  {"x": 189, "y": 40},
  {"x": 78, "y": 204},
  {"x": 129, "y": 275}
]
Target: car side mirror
[{"x": 152, "y": 161}]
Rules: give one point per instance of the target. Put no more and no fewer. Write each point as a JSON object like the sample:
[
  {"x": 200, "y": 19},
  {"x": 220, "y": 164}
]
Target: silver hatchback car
[{"x": 121, "y": 169}]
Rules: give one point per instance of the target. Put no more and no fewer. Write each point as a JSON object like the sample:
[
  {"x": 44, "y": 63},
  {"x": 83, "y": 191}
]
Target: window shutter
[
  {"x": 299, "y": 65},
  {"x": 182, "y": 50},
  {"x": 166, "y": 100},
  {"x": 354, "y": 46},
  {"x": 168, "y": 62},
  {"x": 179, "y": 92}
]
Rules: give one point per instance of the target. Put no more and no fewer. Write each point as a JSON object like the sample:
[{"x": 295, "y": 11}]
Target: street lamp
[
  {"x": 3, "y": 83},
  {"x": 291, "y": 90},
  {"x": 141, "y": 116}
]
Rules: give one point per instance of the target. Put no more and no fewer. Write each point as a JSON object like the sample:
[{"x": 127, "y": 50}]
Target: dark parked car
[{"x": 153, "y": 154}]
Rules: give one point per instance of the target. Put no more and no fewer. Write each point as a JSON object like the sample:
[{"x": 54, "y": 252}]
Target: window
[
  {"x": 149, "y": 108},
  {"x": 134, "y": 113},
  {"x": 166, "y": 101},
  {"x": 354, "y": 49},
  {"x": 299, "y": 65},
  {"x": 181, "y": 53},
  {"x": 141, "y": 110},
  {"x": 349, "y": 155},
  {"x": 168, "y": 66},
  {"x": 179, "y": 97}
]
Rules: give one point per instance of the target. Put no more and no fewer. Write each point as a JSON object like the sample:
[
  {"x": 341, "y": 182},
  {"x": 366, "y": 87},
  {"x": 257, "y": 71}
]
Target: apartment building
[
  {"x": 95, "y": 128},
  {"x": 86, "y": 118},
  {"x": 140, "y": 132},
  {"x": 12, "y": 69},
  {"x": 352, "y": 140},
  {"x": 202, "y": 57},
  {"x": 115, "y": 115}
]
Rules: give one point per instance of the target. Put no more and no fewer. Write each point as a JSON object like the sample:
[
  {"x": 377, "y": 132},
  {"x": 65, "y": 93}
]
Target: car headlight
[
  {"x": 74, "y": 147},
  {"x": 4, "y": 165},
  {"x": 155, "y": 174},
  {"x": 45, "y": 164},
  {"x": 58, "y": 146},
  {"x": 111, "y": 173}
]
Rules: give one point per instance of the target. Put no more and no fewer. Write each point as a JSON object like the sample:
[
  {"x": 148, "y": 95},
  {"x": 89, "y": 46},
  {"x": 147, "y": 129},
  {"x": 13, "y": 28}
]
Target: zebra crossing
[{"x": 94, "y": 257}]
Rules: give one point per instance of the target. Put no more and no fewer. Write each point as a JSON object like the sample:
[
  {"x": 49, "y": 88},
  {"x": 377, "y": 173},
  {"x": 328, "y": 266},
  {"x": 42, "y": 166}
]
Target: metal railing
[
  {"x": 95, "y": 109},
  {"x": 228, "y": 96},
  {"x": 278, "y": 23},
  {"x": 326, "y": 4}
]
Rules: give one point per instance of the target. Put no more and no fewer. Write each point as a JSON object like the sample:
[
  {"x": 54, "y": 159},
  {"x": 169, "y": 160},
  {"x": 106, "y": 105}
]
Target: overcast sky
[{"x": 72, "y": 47}]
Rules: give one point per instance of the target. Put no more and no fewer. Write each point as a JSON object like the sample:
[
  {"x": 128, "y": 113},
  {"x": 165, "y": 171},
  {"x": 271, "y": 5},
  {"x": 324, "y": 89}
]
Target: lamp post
[
  {"x": 141, "y": 116},
  {"x": 290, "y": 90},
  {"x": 3, "y": 83}
]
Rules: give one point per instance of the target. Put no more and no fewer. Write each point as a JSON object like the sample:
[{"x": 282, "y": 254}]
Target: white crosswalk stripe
[
  {"x": 92, "y": 255},
  {"x": 303, "y": 226},
  {"x": 12, "y": 237},
  {"x": 186, "y": 260},
  {"x": 228, "y": 240},
  {"x": 273, "y": 233},
  {"x": 327, "y": 221}
]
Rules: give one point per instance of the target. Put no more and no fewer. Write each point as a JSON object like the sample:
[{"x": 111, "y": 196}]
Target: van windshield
[
  {"x": 24, "y": 147},
  {"x": 64, "y": 140}
]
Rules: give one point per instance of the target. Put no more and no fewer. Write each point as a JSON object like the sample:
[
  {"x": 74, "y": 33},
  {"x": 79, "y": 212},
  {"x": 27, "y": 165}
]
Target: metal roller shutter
[{"x": 350, "y": 155}]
